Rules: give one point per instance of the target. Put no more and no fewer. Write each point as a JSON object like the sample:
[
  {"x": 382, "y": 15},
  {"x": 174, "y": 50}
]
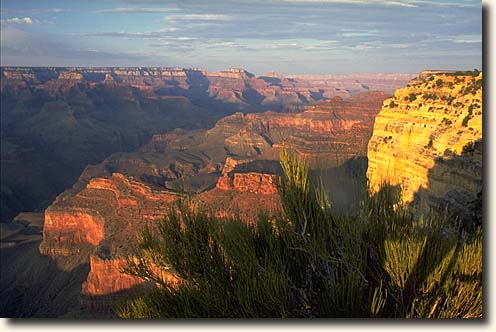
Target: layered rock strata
[
  {"x": 428, "y": 138},
  {"x": 106, "y": 278}
]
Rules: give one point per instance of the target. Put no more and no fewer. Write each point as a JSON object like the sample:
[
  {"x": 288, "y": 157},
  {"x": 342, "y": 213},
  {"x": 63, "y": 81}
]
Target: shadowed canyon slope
[{"x": 56, "y": 121}]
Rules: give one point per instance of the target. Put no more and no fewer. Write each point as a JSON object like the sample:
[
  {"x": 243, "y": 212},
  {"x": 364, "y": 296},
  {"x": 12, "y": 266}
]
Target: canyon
[
  {"x": 55, "y": 121},
  {"x": 349, "y": 130},
  {"x": 229, "y": 170}
]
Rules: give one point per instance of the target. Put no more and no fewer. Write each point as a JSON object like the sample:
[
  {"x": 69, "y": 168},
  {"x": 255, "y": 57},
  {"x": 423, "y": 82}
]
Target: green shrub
[
  {"x": 447, "y": 122},
  {"x": 473, "y": 87},
  {"x": 392, "y": 104},
  {"x": 308, "y": 262},
  {"x": 429, "y": 96},
  {"x": 474, "y": 73},
  {"x": 470, "y": 109},
  {"x": 466, "y": 119}
]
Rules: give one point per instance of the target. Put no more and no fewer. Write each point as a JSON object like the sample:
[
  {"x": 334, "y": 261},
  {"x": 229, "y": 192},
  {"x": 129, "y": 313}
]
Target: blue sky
[{"x": 287, "y": 36}]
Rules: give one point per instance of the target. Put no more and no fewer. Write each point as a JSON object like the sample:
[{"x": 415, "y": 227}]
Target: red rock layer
[
  {"x": 251, "y": 182},
  {"x": 64, "y": 231},
  {"x": 116, "y": 209},
  {"x": 106, "y": 277},
  {"x": 109, "y": 209}
]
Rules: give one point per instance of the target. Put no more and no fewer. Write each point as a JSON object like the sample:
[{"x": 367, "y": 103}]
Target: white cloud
[
  {"x": 398, "y": 3},
  {"x": 17, "y": 20},
  {"x": 54, "y": 10},
  {"x": 135, "y": 10},
  {"x": 404, "y": 3},
  {"x": 198, "y": 17},
  {"x": 466, "y": 39},
  {"x": 170, "y": 29}
]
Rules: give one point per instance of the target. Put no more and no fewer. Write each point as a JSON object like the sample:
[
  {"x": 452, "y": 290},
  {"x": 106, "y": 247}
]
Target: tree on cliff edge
[{"x": 308, "y": 262}]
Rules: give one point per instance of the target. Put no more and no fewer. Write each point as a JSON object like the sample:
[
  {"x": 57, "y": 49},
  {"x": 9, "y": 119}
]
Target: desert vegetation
[{"x": 310, "y": 262}]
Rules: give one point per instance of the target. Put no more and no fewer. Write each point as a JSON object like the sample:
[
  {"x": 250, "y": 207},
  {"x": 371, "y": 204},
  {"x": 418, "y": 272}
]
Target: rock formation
[
  {"x": 106, "y": 281},
  {"x": 229, "y": 170},
  {"x": 427, "y": 139},
  {"x": 105, "y": 217},
  {"x": 236, "y": 177},
  {"x": 325, "y": 134}
]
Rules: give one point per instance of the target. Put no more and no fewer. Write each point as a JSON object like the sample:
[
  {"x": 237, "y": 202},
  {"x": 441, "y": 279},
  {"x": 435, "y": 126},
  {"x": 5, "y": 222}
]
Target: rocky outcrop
[
  {"x": 71, "y": 75},
  {"x": 427, "y": 139},
  {"x": 107, "y": 279},
  {"x": 106, "y": 208},
  {"x": 255, "y": 182},
  {"x": 237, "y": 177},
  {"x": 66, "y": 231},
  {"x": 105, "y": 217}
]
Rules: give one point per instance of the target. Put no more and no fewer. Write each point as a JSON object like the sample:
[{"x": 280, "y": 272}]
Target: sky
[{"x": 286, "y": 36}]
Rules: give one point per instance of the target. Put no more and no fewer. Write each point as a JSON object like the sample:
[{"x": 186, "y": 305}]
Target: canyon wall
[
  {"x": 428, "y": 140},
  {"x": 358, "y": 82},
  {"x": 107, "y": 282}
]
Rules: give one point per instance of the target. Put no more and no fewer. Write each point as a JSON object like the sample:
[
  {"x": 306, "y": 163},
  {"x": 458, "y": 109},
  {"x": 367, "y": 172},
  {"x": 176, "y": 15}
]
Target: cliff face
[
  {"x": 234, "y": 177},
  {"x": 104, "y": 217},
  {"x": 105, "y": 212},
  {"x": 106, "y": 279},
  {"x": 427, "y": 139},
  {"x": 359, "y": 82}
]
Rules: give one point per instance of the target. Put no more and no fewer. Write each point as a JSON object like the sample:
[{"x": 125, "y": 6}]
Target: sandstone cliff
[
  {"x": 106, "y": 281},
  {"x": 427, "y": 139},
  {"x": 110, "y": 209},
  {"x": 236, "y": 175}
]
